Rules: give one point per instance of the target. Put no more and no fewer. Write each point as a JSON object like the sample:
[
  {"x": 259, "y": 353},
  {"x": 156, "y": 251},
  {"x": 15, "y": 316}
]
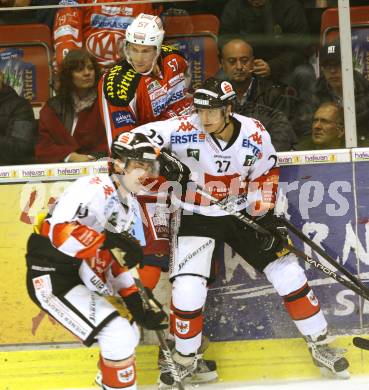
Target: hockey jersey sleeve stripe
[{"x": 77, "y": 240}]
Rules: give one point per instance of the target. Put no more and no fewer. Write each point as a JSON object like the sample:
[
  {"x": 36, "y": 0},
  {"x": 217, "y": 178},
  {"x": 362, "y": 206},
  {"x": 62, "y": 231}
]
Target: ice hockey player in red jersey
[
  {"x": 98, "y": 28},
  {"x": 229, "y": 155},
  {"x": 148, "y": 85},
  {"x": 82, "y": 253}
]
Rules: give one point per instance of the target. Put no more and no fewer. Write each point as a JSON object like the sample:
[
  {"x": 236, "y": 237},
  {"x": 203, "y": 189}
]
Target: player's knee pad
[
  {"x": 119, "y": 374},
  {"x": 302, "y": 303},
  {"x": 285, "y": 274},
  {"x": 118, "y": 339},
  {"x": 188, "y": 299}
]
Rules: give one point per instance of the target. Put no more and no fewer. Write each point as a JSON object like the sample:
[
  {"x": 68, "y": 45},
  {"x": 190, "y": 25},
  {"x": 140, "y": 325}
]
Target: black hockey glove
[
  {"x": 152, "y": 317},
  {"x": 172, "y": 168},
  {"x": 278, "y": 237},
  {"x": 124, "y": 247}
]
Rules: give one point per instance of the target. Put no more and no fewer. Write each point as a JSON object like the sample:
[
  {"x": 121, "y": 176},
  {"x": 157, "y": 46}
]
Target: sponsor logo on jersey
[
  {"x": 108, "y": 190},
  {"x": 246, "y": 143},
  {"x": 153, "y": 85},
  {"x": 122, "y": 118},
  {"x": 187, "y": 138},
  {"x": 110, "y": 10},
  {"x": 249, "y": 160},
  {"x": 182, "y": 327},
  {"x": 161, "y": 104},
  {"x": 110, "y": 22},
  {"x": 256, "y": 137},
  {"x": 221, "y": 186},
  {"x": 63, "y": 31},
  {"x": 186, "y": 126},
  {"x": 258, "y": 124},
  {"x": 176, "y": 79},
  {"x": 195, "y": 153},
  {"x": 126, "y": 375},
  {"x": 105, "y": 45},
  {"x": 158, "y": 93}
]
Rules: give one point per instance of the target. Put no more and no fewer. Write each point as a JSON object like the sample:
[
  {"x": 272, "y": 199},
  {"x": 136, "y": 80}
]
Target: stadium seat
[
  {"x": 359, "y": 17},
  {"x": 329, "y": 24},
  {"x": 25, "y": 58},
  {"x": 196, "y": 37}
]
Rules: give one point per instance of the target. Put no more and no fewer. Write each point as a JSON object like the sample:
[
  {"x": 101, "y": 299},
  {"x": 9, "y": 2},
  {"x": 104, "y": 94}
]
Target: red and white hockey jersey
[
  {"x": 76, "y": 227},
  {"x": 129, "y": 99},
  {"x": 98, "y": 28},
  {"x": 245, "y": 165}
]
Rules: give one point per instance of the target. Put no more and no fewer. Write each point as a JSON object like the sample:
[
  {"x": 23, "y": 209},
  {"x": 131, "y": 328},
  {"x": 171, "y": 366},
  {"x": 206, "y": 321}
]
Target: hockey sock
[{"x": 118, "y": 375}]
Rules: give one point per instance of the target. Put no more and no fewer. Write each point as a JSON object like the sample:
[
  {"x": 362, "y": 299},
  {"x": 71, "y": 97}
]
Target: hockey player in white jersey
[
  {"x": 229, "y": 155},
  {"x": 82, "y": 253}
]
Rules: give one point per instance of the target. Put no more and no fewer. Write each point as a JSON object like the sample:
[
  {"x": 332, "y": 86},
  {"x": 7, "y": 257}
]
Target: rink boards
[{"x": 325, "y": 194}]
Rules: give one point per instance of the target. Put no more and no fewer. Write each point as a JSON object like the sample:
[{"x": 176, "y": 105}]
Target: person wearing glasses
[
  {"x": 327, "y": 131},
  {"x": 328, "y": 87}
]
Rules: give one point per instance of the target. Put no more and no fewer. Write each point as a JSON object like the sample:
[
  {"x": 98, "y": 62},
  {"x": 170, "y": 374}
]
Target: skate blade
[
  {"x": 204, "y": 377},
  {"x": 327, "y": 373}
]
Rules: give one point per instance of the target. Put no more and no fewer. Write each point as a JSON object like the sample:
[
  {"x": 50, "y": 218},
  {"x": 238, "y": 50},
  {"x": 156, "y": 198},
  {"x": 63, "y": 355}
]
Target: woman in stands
[{"x": 70, "y": 127}]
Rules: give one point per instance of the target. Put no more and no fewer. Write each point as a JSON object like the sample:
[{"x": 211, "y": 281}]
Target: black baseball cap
[{"x": 330, "y": 53}]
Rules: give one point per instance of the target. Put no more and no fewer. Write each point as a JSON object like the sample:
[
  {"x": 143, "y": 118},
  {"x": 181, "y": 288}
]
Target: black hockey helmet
[
  {"x": 131, "y": 146},
  {"x": 214, "y": 93},
  {"x": 134, "y": 146}
]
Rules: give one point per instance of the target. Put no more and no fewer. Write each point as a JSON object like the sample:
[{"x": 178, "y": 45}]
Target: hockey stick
[
  {"x": 322, "y": 253},
  {"x": 360, "y": 289},
  {"x": 160, "y": 334}
]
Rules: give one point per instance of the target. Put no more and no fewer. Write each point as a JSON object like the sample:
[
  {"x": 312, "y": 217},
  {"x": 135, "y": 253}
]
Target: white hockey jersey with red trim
[
  {"x": 98, "y": 28},
  {"x": 88, "y": 207},
  {"x": 245, "y": 165}
]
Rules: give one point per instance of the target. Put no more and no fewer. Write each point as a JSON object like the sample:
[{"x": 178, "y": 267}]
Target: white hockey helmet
[{"x": 146, "y": 30}]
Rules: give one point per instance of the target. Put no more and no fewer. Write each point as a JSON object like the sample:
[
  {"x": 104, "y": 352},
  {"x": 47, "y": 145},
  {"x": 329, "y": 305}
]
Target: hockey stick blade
[{"x": 361, "y": 343}]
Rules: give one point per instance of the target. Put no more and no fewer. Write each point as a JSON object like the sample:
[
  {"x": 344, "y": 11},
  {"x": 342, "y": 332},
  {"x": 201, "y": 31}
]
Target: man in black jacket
[
  {"x": 279, "y": 33},
  {"x": 17, "y": 127},
  {"x": 257, "y": 97}
]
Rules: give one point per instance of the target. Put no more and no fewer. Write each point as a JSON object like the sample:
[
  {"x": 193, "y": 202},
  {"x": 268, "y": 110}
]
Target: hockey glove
[
  {"x": 172, "y": 168},
  {"x": 152, "y": 317},
  {"x": 278, "y": 237},
  {"x": 124, "y": 247}
]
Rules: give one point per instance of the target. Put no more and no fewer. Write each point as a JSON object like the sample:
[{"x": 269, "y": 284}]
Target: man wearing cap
[{"x": 328, "y": 87}]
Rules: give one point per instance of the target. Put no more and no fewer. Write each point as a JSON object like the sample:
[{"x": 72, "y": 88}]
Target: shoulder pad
[
  {"x": 167, "y": 50},
  {"x": 120, "y": 84}
]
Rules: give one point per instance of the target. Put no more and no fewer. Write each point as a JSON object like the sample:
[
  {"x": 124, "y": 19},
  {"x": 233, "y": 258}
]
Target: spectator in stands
[
  {"x": 279, "y": 34},
  {"x": 328, "y": 87},
  {"x": 17, "y": 127},
  {"x": 100, "y": 29},
  {"x": 258, "y": 97},
  {"x": 70, "y": 127},
  {"x": 45, "y": 16},
  {"x": 328, "y": 131}
]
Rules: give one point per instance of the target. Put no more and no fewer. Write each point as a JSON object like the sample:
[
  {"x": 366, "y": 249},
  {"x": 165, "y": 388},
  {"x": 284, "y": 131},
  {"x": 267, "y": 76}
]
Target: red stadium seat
[
  {"x": 329, "y": 23},
  {"x": 196, "y": 37},
  {"x": 359, "y": 17},
  {"x": 25, "y": 58}
]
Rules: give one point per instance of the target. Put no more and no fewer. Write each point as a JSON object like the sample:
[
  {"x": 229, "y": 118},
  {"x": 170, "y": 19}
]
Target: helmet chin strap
[
  {"x": 219, "y": 132},
  {"x": 128, "y": 58}
]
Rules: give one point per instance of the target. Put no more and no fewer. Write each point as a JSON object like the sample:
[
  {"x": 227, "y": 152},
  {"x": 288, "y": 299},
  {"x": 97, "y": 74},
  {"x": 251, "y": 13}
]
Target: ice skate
[
  {"x": 205, "y": 371},
  {"x": 331, "y": 361},
  {"x": 185, "y": 365}
]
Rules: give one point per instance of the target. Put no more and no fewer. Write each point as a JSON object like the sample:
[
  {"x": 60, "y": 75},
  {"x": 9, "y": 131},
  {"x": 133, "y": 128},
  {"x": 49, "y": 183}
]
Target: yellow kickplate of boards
[{"x": 252, "y": 360}]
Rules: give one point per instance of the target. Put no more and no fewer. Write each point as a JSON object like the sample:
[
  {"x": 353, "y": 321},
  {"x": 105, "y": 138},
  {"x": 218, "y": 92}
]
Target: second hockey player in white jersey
[
  {"x": 229, "y": 154},
  {"x": 81, "y": 255}
]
